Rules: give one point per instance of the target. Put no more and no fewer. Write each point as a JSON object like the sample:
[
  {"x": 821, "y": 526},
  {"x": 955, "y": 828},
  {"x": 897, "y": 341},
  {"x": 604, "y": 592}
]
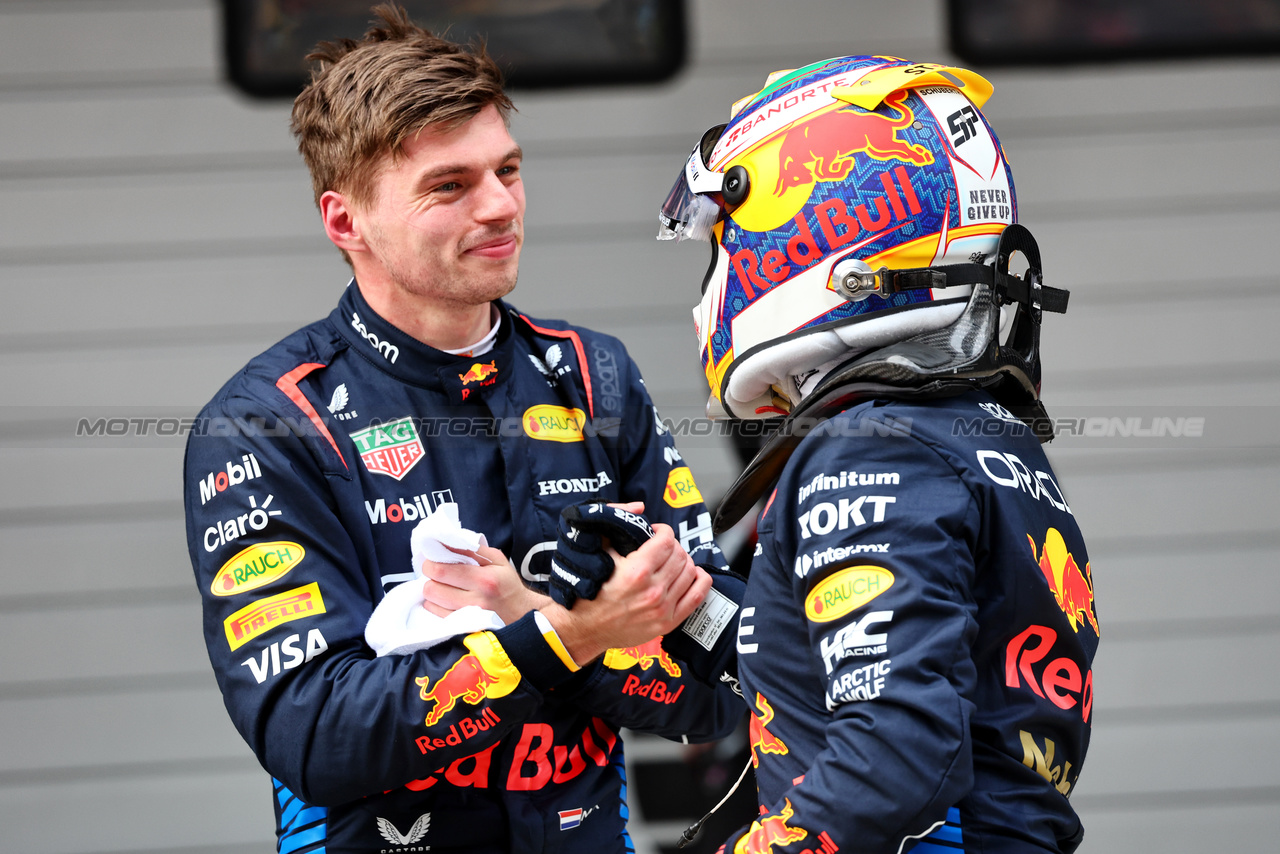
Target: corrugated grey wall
[{"x": 156, "y": 231}]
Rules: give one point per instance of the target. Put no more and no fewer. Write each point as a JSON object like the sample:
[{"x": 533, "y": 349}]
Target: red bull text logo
[
  {"x": 763, "y": 741},
  {"x": 536, "y": 760},
  {"x": 478, "y": 373},
  {"x": 838, "y": 226},
  {"x": 770, "y": 831},
  {"x": 1059, "y": 681},
  {"x": 646, "y": 656},
  {"x": 823, "y": 148},
  {"x": 1072, "y": 589}
]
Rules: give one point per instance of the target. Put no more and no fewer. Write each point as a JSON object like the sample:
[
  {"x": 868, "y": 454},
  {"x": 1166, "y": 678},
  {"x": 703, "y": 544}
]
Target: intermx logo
[{"x": 1041, "y": 761}]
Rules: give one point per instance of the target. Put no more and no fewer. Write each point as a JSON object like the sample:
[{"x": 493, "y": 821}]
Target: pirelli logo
[{"x": 263, "y": 615}]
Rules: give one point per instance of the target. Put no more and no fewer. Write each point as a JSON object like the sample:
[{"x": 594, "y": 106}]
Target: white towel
[{"x": 400, "y": 625}]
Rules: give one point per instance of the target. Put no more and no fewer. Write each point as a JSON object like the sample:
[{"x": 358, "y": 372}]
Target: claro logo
[{"x": 255, "y": 567}]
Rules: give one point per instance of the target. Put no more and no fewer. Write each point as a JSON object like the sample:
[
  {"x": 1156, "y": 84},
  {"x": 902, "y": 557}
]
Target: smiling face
[{"x": 445, "y": 222}]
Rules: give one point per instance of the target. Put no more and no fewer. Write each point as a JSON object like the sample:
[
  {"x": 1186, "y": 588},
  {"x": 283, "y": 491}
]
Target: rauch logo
[{"x": 256, "y": 566}]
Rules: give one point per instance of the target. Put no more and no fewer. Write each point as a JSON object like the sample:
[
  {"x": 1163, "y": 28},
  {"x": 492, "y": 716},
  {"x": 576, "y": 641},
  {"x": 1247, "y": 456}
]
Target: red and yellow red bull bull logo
[
  {"x": 484, "y": 374},
  {"x": 763, "y": 741},
  {"x": 644, "y": 656},
  {"x": 1072, "y": 589},
  {"x": 484, "y": 673},
  {"x": 770, "y": 831},
  {"x": 823, "y": 148}
]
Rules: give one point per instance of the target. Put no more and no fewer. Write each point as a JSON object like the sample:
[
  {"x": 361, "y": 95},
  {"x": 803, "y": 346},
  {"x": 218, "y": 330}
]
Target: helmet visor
[{"x": 690, "y": 210}]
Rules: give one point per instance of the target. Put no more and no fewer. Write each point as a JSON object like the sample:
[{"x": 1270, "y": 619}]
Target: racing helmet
[{"x": 819, "y": 187}]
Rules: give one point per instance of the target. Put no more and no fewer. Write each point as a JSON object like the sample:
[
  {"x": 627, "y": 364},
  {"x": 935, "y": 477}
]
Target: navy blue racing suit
[
  {"x": 917, "y": 638},
  {"x": 304, "y": 477}
]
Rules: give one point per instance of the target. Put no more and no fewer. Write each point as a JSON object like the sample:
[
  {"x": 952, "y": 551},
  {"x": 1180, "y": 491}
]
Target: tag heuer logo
[{"x": 391, "y": 449}]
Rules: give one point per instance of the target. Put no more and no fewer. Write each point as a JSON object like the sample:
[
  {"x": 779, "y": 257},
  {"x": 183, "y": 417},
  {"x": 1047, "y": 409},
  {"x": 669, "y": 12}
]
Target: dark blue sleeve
[
  {"x": 644, "y": 688},
  {"x": 881, "y": 574},
  {"x": 286, "y": 600}
]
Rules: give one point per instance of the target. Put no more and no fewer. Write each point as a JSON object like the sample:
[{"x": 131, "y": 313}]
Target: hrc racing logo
[
  {"x": 1072, "y": 589},
  {"x": 391, "y": 449},
  {"x": 479, "y": 675},
  {"x": 256, "y": 566},
  {"x": 681, "y": 490},
  {"x": 854, "y": 641},
  {"x": 216, "y": 482},
  {"x": 232, "y": 529},
  {"x": 554, "y": 423},
  {"x": 262, "y": 616},
  {"x": 846, "y": 590}
]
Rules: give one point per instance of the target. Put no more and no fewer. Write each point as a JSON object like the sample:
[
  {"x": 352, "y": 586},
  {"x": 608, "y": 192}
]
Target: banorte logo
[
  {"x": 822, "y": 149},
  {"x": 478, "y": 675},
  {"x": 1072, "y": 589},
  {"x": 763, "y": 741},
  {"x": 769, "y": 831}
]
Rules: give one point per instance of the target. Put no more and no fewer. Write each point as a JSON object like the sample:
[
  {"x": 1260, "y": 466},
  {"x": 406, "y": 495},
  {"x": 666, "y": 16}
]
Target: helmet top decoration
[{"x": 827, "y": 177}]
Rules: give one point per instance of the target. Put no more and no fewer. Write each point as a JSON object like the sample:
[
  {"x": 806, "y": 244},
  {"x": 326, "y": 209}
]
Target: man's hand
[
  {"x": 495, "y": 585},
  {"x": 651, "y": 592}
]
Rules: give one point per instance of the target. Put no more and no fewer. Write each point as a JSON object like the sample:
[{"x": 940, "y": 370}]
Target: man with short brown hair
[{"x": 421, "y": 396}]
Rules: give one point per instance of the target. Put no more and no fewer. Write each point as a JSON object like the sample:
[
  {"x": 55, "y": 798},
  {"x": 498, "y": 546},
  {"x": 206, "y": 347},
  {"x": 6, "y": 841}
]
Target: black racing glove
[
  {"x": 581, "y": 566},
  {"x": 707, "y": 640}
]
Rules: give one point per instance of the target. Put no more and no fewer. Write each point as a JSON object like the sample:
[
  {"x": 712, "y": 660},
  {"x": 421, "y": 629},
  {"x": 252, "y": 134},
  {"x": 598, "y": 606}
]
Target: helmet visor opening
[{"x": 690, "y": 210}]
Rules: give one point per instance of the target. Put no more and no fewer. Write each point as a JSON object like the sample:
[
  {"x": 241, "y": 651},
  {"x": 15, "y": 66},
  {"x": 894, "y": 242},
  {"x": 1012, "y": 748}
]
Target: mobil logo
[{"x": 216, "y": 482}]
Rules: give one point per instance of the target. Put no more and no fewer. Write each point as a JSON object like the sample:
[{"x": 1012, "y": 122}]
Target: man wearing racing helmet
[{"x": 918, "y": 630}]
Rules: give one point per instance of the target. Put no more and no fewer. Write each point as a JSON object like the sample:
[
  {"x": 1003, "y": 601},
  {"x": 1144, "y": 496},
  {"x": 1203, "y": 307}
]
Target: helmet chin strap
[{"x": 944, "y": 362}]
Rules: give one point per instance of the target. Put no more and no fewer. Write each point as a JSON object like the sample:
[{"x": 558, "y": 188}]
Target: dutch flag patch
[{"x": 569, "y": 819}]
